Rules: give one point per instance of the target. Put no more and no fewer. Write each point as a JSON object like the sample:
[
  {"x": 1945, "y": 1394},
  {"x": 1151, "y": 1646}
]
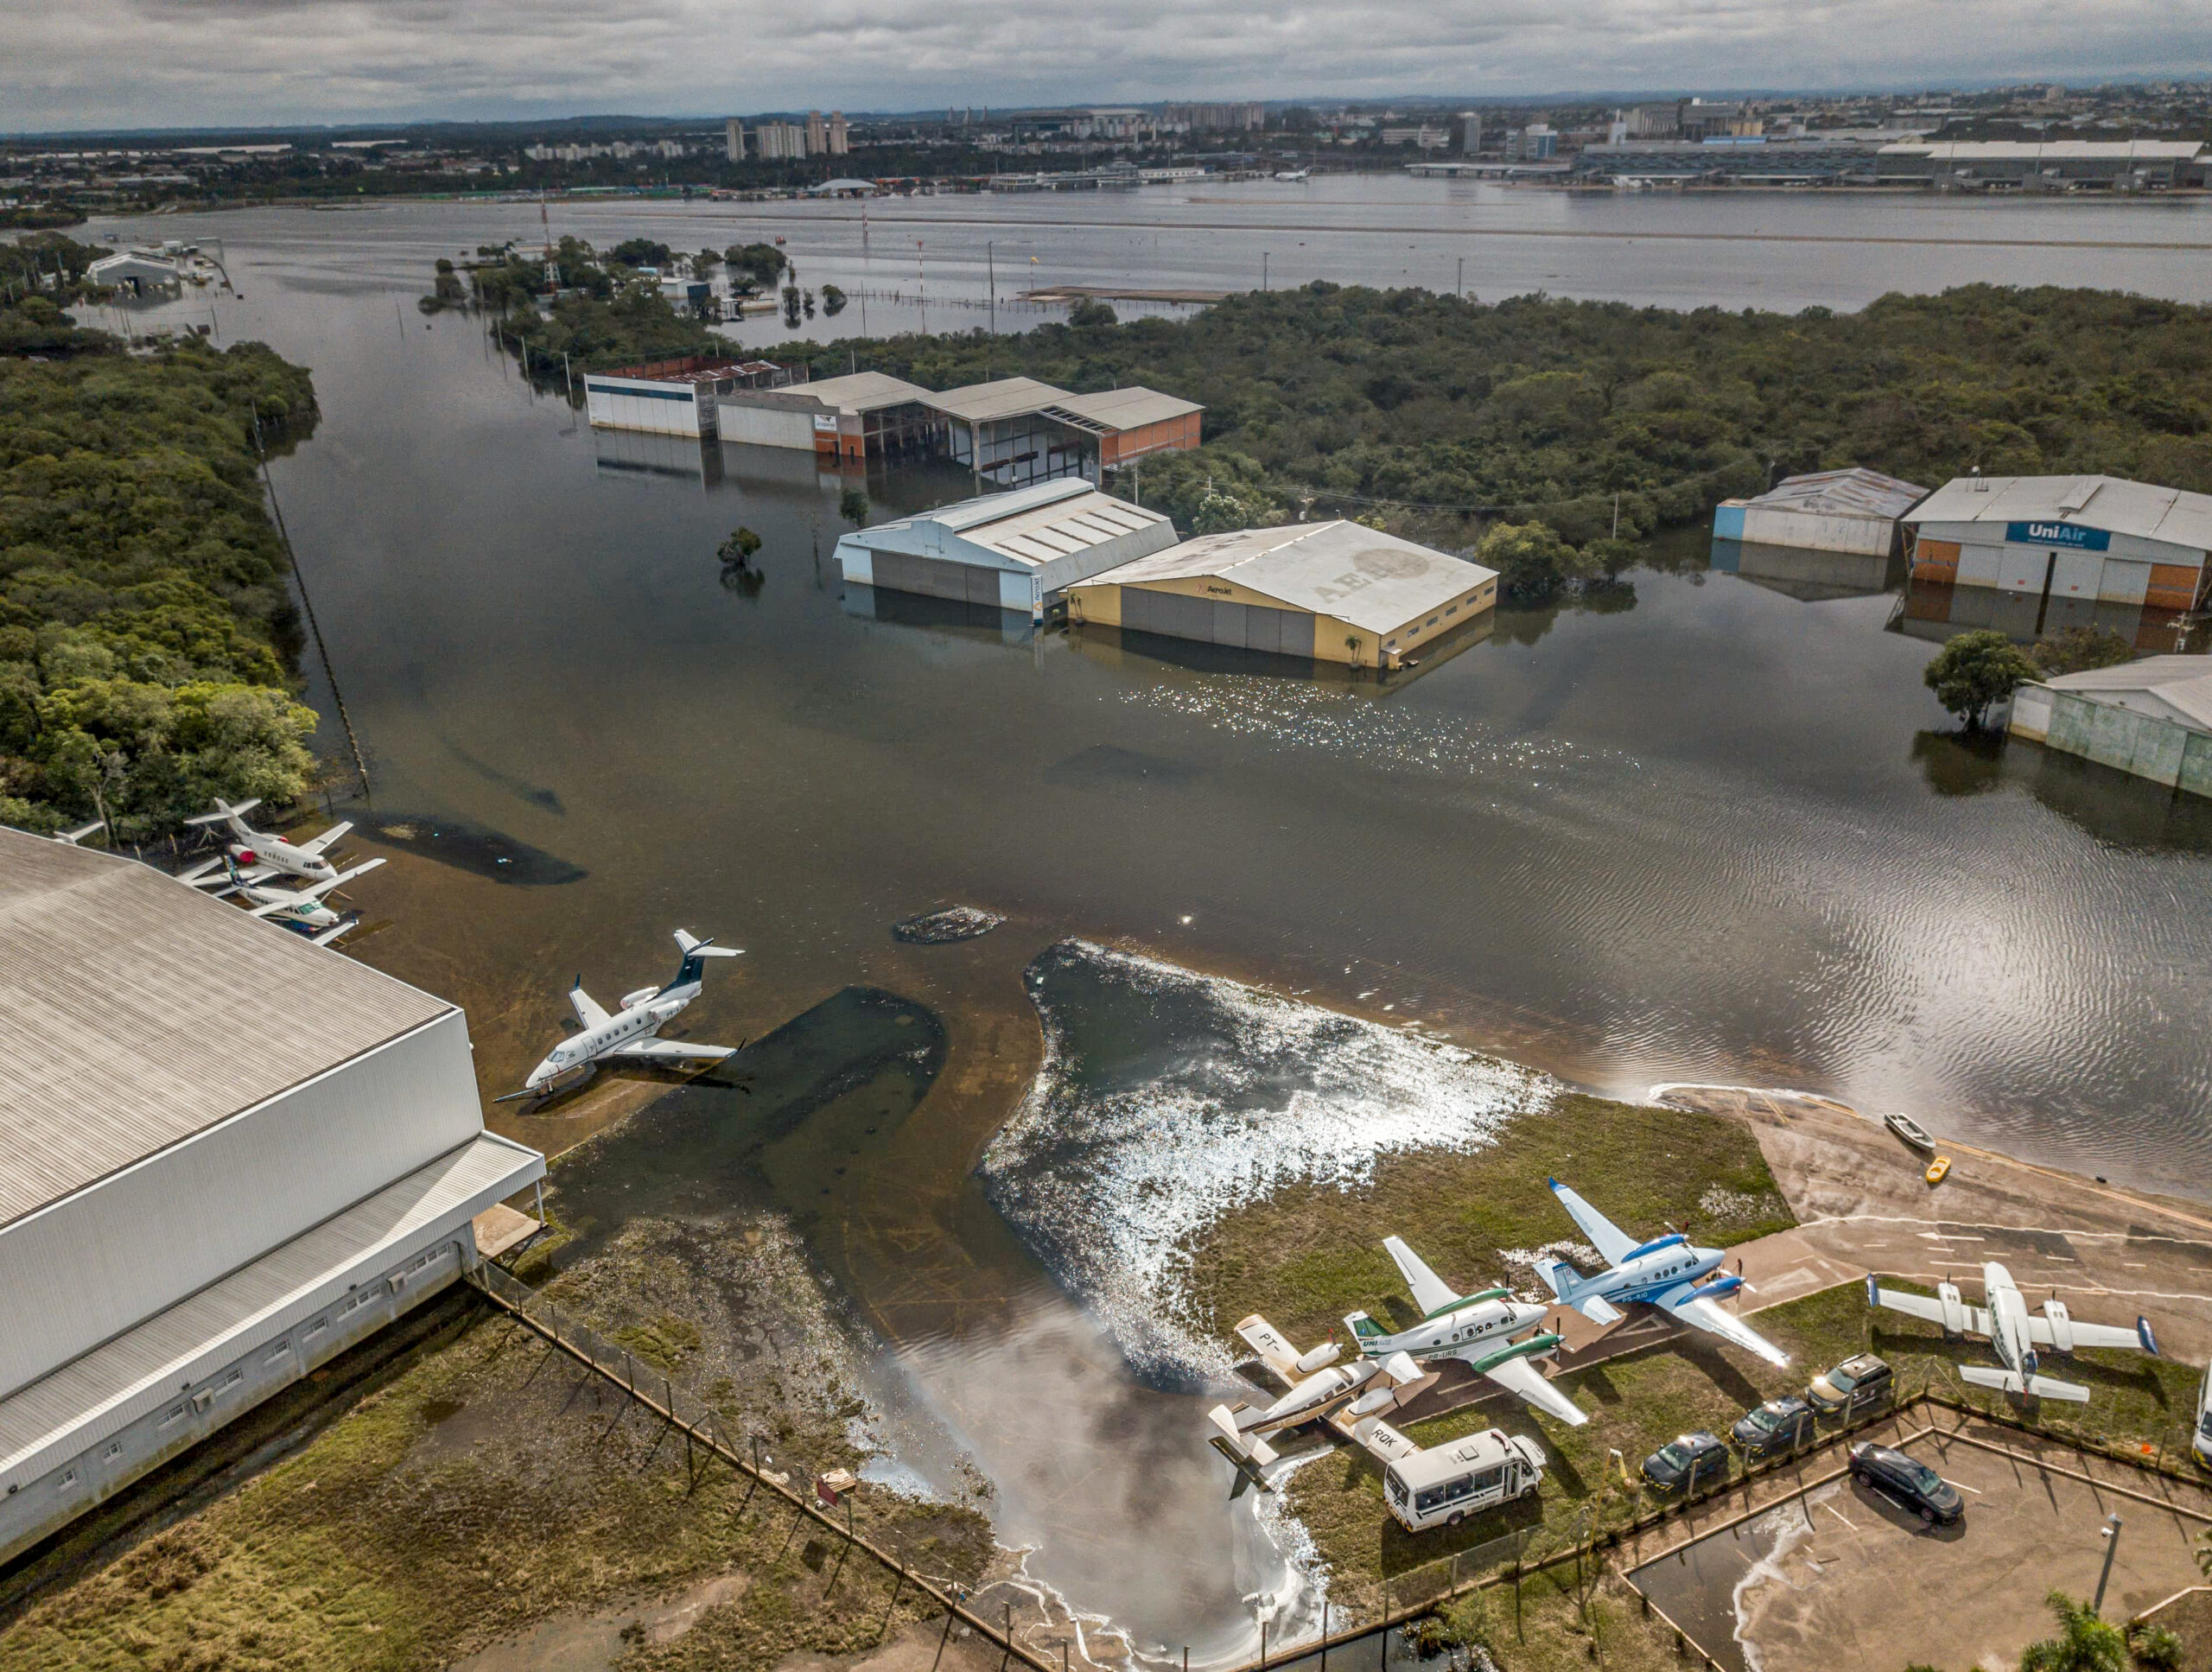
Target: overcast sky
[{"x": 69, "y": 64}]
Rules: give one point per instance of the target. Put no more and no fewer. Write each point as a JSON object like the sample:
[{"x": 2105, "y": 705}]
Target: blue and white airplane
[
  {"x": 629, "y": 1032},
  {"x": 1663, "y": 1273}
]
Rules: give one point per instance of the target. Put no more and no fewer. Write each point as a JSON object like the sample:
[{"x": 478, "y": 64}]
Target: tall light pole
[{"x": 2112, "y": 1546}]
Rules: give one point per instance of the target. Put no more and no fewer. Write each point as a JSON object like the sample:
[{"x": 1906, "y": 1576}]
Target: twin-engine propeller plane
[
  {"x": 1478, "y": 1329},
  {"x": 1319, "y": 1388},
  {"x": 2013, "y": 1330},
  {"x": 260, "y": 855},
  {"x": 300, "y": 909},
  {"x": 628, "y": 1034},
  {"x": 1664, "y": 1272}
]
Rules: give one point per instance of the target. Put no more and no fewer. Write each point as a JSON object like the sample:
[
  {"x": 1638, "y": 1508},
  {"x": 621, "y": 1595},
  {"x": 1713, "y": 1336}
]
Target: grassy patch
[
  {"x": 1309, "y": 1255},
  {"x": 1547, "y": 1624},
  {"x": 1639, "y": 1401}
]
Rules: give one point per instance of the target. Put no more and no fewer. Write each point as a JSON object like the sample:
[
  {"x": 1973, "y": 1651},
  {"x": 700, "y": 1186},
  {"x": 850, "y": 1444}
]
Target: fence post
[{"x": 1006, "y": 1640}]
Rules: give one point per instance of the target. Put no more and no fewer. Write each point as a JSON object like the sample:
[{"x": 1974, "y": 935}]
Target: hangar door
[
  {"x": 933, "y": 577},
  {"x": 1214, "y": 621}
]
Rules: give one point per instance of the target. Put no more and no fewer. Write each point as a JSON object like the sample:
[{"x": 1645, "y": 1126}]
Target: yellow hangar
[{"x": 1336, "y": 592}]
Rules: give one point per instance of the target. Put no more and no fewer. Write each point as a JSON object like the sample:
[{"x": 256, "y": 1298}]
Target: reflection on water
[
  {"x": 1810, "y": 577},
  {"x": 1933, "y": 611},
  {"x": 456, "y": 841}
]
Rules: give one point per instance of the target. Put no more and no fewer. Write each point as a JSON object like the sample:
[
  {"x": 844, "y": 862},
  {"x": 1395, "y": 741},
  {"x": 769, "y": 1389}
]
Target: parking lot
[{"x": 1843, "y": 1565}]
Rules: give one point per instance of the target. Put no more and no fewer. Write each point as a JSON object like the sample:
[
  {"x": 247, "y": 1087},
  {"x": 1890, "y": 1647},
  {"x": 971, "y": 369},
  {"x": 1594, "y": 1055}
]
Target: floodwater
[{"x": 1709, "y": 831}]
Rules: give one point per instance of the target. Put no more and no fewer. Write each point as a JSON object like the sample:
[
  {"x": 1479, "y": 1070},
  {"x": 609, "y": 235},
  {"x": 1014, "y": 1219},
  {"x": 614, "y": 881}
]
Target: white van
[{"x": 1445, "y": 1485}]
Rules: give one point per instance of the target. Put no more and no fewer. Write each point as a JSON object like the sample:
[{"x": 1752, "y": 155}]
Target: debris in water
[{"x": 950, "y": 923}]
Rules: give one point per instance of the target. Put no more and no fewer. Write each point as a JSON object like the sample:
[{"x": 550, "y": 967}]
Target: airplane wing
[
  {"x": 206, "y": 875},
  {"x": 1521, "y": 1377},
  {"x": 1384, "y": 1440},
  {"x": 1431, "y": 1293},
  {"x": 337, "y": 929},
  {"x": 1275, "y": 1352},
  {"x": 271, "y": 907},
  {"x": 1608, "y": 1239},
  {"x": 671, "y": 1051},
  {"x": 1928, "y": 1307},
  {"x": 1702, "y": 1311},
  {"x": 2012, "y": 1382},
  {"x": 316, "y": 891},
  {"x": 2095, "y": 1335},
  {"x": 588, "y": 1008},
  {"x": 321, "y": 842}
]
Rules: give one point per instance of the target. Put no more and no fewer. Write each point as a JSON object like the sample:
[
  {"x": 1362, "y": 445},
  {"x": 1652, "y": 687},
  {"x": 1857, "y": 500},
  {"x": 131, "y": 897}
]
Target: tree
[
  {"x": 2084, "y": 1643},
  {"x": 704, "y": 264},
  {"x": 2075, "y": 650},
  {"x": 791, "y": 307},
  {"x": 1974, "y": 672},
  {"x": 2156, "y": 1647},
  {"x": 833, "y": 301},
  {"x": 640, "y": 252},
  {"x": 738, "y": 550},
  {"x": 1534, "y": 564},
  {"x": 852, "y": 506},
  {"x": 760, "y": 264},
  {"x": 1090, "y": 315}
]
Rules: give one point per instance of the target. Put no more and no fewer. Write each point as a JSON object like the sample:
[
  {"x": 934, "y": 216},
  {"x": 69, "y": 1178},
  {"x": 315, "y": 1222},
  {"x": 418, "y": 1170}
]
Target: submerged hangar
[{"x": 229, "y": 1155}]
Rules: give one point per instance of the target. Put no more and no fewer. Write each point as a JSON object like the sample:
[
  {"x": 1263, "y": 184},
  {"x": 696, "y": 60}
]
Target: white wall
[
  {"x": 765, "y": 426},
  {"x": 1779, "y": 527},
  {"x": 96, "y": 1262},
  {"x": 612, "y": 406}
]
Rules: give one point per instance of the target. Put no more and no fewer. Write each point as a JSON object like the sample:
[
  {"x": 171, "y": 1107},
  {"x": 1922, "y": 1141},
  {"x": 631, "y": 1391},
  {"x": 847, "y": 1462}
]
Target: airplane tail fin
[
  {"x": 1558, "y": 1275},
  {"x": 224, "y": 812},
  {"x": 694, "y": 950},
  {"x": 1231, "y": 1439},
  {"x": 1364, "y": 1329}
]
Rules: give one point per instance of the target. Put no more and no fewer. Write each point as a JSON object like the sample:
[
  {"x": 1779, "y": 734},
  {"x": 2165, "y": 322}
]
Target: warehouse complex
[
  {"x": 2083, "y": 538},
  {"x": 2151, "y": 718},
  {"x": 867, "y": 414},
  {"x": 2056, "y": 164},
  {"x": 674, "y": 397},
  {"x": 1009, "y": 551},
  {"x": 1335, "y": 592},
  {"x": 231, "y": 1155}
]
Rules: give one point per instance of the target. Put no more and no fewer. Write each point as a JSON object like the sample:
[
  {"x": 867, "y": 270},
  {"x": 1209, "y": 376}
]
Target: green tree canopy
[
  {"x": 2084, "y": 1643},
  {"x": 2076, "y": 650},
  {"x": 1975, "y": 671},
  {"x": 1534, "y": 564}
]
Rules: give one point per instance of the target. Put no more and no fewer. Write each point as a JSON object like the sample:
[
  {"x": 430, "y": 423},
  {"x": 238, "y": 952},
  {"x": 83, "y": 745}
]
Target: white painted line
[
  {"x": 1841, "y": 1517},
  {"x": 1960, "y": 1485}
]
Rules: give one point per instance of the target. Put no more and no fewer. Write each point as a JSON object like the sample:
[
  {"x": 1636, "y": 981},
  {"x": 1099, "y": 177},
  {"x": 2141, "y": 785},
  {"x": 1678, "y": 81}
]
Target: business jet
[
  {"x": 1663, "y": 1273},
  {"x": 1319, "y": 1387},
  {"x": 629, "y": 1033},
  {"x": 260, "y": 855},
  {"x": 300, "y": 909},
  {"x": 1478, "y": 1329},
  {"x": 2013, "y": 1330}
]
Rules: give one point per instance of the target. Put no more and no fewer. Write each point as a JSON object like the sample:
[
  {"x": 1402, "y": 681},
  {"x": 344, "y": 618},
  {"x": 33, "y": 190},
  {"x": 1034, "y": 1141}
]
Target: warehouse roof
[
  {"x": 857, "y": 392},
  {"x": 1004, "y": 397},
  {"x": 1345, "y": 569},
  {"x": 1857, "y": 492},
  {"x": 2117, "y": 506},
  {"x": 1119, "y": 409},
  {"x": 140, "y": 1011},
  {"x": 2050, "y": 150},
  {"x": 1032, "y": 525},
  {"x": 2182, "y": 683}
]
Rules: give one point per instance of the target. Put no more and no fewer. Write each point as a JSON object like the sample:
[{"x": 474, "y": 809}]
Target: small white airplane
[
  {"x": 629, "y": 1033},
  {"x": 2013, "y": 1330},
  {"x": 1663, "y": 1273},
  {"x": 260, "y": 855},
  {"x": 302, "y": 909},
  {"x": 72, "y": 837},
  {"x": 1319, "y": 1387},
  {"x": 1478, "y": 1329},
  {"x": 1293, "y": 175}
]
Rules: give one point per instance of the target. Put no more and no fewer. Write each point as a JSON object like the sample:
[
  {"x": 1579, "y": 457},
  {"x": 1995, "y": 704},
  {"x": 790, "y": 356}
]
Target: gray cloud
[{"x": 125, "y": 63}]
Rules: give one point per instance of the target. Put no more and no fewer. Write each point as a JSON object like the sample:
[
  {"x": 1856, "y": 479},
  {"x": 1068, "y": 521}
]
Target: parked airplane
[
  {"x": 300, "y": 908},
  {"x": 1319, "y": 1387},
  {"x": 2013, "y": 1330},
  {"x": 72, "y": 837},
  {"x": 260, "y": 855},
  {"x": 629, "y": 1032},
  {"x": 1476, "y": 1328},
  {"x": 1663, "y": 1273}
]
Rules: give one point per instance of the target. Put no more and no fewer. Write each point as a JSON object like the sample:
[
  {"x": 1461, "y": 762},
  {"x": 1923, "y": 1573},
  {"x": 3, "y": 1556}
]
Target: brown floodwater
[{"x": 1710, "y": 831}]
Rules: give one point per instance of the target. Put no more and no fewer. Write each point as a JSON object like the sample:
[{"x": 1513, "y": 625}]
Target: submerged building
[
  {"x": 1333, "y": 592},
  {"x": 676, "y": 397},
  {"x": 2152, "y": 718},
  {"x": 1852, "y": 510},
  {"x": 2085, "y": 538},
  {"x": 230, "y": 1156}
]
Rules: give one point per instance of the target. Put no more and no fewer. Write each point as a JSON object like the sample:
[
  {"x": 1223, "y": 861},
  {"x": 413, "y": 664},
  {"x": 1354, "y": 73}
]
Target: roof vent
[{"x": 2080, "y": 495}]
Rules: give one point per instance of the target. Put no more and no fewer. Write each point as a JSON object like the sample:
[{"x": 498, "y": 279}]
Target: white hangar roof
[
  {"x": 2171, "y": 515},
  {"x": 1345, "y": 569},
  {"x": 139, "y": 1014}
]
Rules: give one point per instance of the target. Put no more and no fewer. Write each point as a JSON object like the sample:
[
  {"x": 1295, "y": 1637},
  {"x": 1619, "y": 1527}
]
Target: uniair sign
[{"x": 2057, "y": 534}]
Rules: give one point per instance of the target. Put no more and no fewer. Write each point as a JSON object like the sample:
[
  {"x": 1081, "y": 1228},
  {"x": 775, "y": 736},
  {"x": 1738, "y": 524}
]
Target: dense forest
[{"x": 146, "y": 634}]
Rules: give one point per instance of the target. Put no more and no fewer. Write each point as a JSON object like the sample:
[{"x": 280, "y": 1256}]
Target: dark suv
[
  {"x": 1908, "y": 1481},
  {"x": 1772, "y": 1429},
  {"x": 1852, "y": 1386},
  {"x": 1688, "y": 1462}
]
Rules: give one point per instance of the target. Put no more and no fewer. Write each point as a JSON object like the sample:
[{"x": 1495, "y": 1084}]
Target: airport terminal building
[{"x": 230, "y": 1156}]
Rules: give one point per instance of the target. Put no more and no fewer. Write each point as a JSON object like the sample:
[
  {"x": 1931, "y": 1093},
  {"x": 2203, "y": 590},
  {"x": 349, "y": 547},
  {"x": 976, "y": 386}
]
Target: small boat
[
  {"x": 1911, "y": 1130},
  {"x": 1938, "y": 1168}
]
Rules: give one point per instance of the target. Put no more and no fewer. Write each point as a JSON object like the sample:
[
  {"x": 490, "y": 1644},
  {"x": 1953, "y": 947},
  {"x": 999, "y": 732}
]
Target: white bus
[{"x": 1445, "y": 1485}]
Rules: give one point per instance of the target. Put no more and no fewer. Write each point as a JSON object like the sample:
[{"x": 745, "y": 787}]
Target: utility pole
[
  {"x": 991, "y": 268},
  {"x": 2112, "y": 1546},
  {"x": 1459, "y": 289},
  {"x": 1263, "y": 272}
]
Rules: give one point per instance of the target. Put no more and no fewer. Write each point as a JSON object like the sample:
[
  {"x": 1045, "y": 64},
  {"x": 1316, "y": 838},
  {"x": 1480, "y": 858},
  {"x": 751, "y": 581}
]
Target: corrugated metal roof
[
  {"x": 1124, "y": 409},
  {"x": 1072, "y": 524},
  {"x": 1857, "y": 492},
  {"x": 111, "y": 1387},
  {"x": 139, "y": 1012},
  {"x": 2110, "y": 502},
  {"x": 2051, "y": 150},
  {"x": 1345, "y": 569},
  {"x": 1005, "y": 397},
  {"x": 856, "y": 392}
]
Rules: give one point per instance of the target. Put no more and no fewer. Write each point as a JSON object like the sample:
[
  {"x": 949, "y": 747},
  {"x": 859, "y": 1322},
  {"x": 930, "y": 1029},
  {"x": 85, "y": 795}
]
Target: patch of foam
[
  {"x": 1789, "y": 1526},
  {"x": 1112, "y": 1183}
]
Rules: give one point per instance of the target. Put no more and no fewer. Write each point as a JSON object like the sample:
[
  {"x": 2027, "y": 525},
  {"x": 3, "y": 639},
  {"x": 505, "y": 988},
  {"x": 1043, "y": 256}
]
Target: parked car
[
  {"x": 1772, "y": 1429},
  {"x": 1907, "y": 1480},
  {"x": 1850, "y": 1387},
  {"x": 1688, "y": 1462},
  {"x": 2201, "y": 1442}
]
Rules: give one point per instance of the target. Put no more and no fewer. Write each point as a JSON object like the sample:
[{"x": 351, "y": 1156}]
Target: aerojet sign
[{"x": 2057, "y": 534}]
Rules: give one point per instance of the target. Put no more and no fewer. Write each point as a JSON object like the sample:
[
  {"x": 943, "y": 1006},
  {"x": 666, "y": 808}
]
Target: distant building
[
  {"x": 817, "y": 135},
  {"x": 2151, "y": 718},
  {"x": 1216, "y": 118},
  {"x": 134, "y": 271},
  {"x": 864, "y": 415},
  {"x": 674, "y": 397},
  {"x": 1004, "y": 552},
  {"x": 1333, "y": 592},
  {"x": 1537, "y": 143},
  {"x": 1855, "y": 510},
  {"x": 840, "y": 141},
  {"x": 734, "y": 140},
  {"x": 1470, "y": 132},
  {"x": 2015, "y": 165},
  {"x": 1695, "y": 119},
  {"x": 2088, "y": 538},
  {"x": 779, "y": 141}
]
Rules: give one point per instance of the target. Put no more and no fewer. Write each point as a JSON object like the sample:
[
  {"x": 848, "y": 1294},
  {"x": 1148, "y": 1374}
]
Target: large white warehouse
[{"x": 229, "y": 1155}]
